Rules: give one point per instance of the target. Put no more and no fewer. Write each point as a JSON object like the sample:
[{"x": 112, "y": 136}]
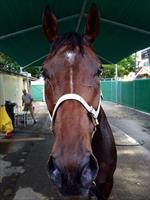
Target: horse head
[{"x": 72, "y": 94}]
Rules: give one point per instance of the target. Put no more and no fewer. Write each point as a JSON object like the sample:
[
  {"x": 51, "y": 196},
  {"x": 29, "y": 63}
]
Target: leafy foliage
[
  {"x": 108, "y": 71},
  {"x": 34, "y": 70},
  {"x": 125, "y": 66},
  {"x": 8, "y": 63}
]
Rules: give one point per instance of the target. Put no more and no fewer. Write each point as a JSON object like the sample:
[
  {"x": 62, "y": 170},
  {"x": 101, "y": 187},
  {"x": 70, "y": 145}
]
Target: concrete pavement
[
  {"x": 132, "y": 177},
  {"x": 23, "y": 160}
]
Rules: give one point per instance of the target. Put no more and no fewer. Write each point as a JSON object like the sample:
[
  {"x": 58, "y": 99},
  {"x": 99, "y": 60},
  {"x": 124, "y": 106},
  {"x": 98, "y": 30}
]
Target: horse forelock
[{"x": 71, "y": 39}]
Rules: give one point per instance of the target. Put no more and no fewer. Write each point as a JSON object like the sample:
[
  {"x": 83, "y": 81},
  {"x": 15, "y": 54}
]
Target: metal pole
[
  {"x": 116, "y": 72},
  {"x": 134, "y": 93},
  {"x": 120, "y": 92},
  {"x": 27, "y": 81},
  {"x": 21, "y": 69},
  {"x": 34, "y": 61},
  {"x": 111, "y": 89},
  {"x": 35, "y": 27},
  {"x": 81, "y": 15},
  {"x": 72, "y": 17},
  {"x": 108, "y": 61},
  {"x": 2, "y": 83},
  {"x": 116, "y": 78},
  {"x": 125, "y": 26},
  {"x": 132, "y": 28}
]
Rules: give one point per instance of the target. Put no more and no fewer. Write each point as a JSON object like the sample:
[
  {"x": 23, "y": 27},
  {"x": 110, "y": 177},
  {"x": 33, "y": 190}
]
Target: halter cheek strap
[{"x": 72, "y": 96}]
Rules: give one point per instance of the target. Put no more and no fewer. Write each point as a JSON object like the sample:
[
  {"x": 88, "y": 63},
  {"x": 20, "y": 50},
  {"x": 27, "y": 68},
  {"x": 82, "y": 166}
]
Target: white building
[
  {"x": 11, "y": 86},
  {"x": 143, "y": 58},
  {"x": 143, "y": 63}
]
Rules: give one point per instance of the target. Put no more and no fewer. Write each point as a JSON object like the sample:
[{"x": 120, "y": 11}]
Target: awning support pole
[
  {"x": 75, "y": 16},
  {"x": 81, "y": 15},
  {"x": 34, "y": 61},
  {"x": 132, "y": 28},
  {"x": 101, "y": 57},
  {"x": 35, "y": 28},
  {"x": 116, "y": 80}
]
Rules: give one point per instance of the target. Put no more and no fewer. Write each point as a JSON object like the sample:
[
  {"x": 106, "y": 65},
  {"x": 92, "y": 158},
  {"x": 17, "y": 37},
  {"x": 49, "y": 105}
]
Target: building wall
[
  {"x": 11, "y": 88},
  {"x": 143, "y": 58}
]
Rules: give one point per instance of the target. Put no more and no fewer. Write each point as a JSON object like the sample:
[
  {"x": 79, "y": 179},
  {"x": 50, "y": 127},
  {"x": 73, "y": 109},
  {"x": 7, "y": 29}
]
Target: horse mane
[{"x": 72, "y": 39}]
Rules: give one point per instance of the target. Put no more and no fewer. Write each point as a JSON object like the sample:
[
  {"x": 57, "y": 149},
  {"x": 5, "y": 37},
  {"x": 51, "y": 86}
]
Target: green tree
[
  {"x": 125, "y": 66},
  {"x": 8, "y": 63},
  {"x": 34, "y": 70},
  {"x": 108, "y": 71}
]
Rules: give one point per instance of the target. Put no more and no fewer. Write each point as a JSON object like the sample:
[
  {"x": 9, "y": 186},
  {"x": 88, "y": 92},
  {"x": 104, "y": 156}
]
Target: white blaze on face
[
  {"x": 71, "y": 80},
  {"x": 70, "y": 57}
]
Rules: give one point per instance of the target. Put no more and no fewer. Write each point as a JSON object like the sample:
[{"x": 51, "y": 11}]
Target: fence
[
  {"x": 37, "y": 92},
  {"x": 134, "y": 94}
]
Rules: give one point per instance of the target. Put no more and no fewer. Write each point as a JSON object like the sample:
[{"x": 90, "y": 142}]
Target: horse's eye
[
  {"x": 44, "y": 74},
  {"x": 99, "y": 72}
]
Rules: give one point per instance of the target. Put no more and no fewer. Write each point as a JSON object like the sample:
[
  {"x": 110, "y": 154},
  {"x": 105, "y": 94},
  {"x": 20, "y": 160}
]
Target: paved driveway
[{"x": 23, "y": 159}]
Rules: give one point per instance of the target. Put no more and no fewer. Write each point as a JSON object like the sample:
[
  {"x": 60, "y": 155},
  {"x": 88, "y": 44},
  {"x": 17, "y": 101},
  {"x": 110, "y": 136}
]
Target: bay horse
[{"x": 83, "y": 156}]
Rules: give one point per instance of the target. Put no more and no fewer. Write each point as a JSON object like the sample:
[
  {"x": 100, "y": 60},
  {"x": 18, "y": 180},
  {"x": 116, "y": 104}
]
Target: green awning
[{"x": 125, "y": 27}]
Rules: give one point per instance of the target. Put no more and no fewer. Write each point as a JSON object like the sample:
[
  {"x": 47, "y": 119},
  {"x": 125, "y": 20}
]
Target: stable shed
[
  {"x": 125, "y": 27},
  {"x": 11, "y": 86}
]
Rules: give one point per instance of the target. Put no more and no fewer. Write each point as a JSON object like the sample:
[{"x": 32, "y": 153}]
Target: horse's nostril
[
  {"x": 69, "y": 180},
  {"x": 89, "y": 172},
  {"x": 54, "y": 172}
]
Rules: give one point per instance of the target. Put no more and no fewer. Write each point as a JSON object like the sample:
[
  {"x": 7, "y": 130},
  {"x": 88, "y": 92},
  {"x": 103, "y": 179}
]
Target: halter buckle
[{"x": 94, "y": 116}]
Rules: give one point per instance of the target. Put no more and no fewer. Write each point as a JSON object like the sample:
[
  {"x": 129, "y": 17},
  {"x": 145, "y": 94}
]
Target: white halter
[{"x": 94, "y": 113}]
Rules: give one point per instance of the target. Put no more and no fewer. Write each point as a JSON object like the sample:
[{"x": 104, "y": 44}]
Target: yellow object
[{"x": 5, "y": 121}]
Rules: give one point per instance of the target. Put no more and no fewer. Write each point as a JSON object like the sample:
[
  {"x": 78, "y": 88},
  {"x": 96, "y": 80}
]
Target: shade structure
[{"x": 125, "y": 27}]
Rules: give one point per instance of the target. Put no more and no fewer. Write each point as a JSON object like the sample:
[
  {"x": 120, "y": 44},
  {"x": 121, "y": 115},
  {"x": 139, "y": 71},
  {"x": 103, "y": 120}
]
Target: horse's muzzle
[{"x": 74, "y": 182}]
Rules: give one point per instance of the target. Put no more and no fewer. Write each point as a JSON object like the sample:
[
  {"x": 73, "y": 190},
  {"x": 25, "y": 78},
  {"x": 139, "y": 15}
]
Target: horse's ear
[
  {"x": 92, "y": 23},
  {"x": 49, "y": 24}
]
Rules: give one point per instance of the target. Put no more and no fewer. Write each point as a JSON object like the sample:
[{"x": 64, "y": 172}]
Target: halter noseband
[{"x": 72, "y": 96}]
